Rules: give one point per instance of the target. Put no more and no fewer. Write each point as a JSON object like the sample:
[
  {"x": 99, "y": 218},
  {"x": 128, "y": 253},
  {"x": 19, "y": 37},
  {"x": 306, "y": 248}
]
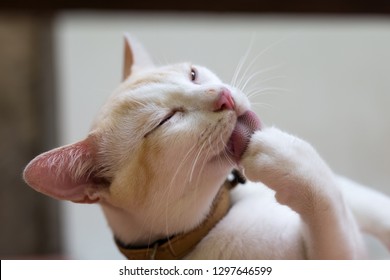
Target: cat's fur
[{"x": 157, "y": 154}]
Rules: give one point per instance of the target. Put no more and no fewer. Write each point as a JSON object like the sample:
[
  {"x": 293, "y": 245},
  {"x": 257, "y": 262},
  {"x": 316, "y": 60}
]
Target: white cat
[{"x": 159, "y": 152}]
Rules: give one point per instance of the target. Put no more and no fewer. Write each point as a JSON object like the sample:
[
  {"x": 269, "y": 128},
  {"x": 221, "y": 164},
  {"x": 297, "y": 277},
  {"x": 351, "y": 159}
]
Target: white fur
[
  {"x": 322, "y": 227},
  {"x": 299, "y": 212},
  {"x": 185, "y": 159},
  {"x": 154, "y": 181}
]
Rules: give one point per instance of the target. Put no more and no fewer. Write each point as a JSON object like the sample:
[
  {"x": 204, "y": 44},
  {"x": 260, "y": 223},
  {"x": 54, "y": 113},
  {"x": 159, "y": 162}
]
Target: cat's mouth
[{"x": 238, "y": 142}]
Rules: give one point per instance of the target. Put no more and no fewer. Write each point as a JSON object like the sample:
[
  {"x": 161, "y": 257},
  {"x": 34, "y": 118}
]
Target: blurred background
[{"x": 322, "y": 71}]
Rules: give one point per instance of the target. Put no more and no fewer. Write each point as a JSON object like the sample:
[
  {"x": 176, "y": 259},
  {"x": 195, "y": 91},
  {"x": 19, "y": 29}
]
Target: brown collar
[{"x": 178, "y": 246}]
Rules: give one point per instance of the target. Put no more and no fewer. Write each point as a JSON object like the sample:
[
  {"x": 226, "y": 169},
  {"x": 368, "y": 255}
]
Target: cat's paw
[
  {"x": 273, "y": 155},
  {"x": 288, "y": 165}
]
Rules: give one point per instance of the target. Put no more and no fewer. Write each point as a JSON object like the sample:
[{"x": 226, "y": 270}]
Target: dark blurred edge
[
  {"x": 30, "y": 221},
  {"x": 246, "y": 6}
]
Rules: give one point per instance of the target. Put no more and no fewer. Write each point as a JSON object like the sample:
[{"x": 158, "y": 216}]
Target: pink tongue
[{"x": 246, "y": 125}]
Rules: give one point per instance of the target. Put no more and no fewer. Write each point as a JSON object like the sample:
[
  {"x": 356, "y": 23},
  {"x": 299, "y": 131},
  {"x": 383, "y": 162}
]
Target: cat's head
[{"x": 165, "y": 131}]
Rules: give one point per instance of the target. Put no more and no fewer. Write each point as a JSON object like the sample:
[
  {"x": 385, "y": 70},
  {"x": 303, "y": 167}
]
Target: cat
[{"x": 163, "y": 145}]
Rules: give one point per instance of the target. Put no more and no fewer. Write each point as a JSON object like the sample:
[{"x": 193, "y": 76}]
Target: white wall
[{"x": 328, "y": 81}]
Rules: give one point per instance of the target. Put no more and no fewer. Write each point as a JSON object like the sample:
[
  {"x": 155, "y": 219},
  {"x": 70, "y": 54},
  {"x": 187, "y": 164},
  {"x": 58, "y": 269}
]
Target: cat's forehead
[
  {"x": 175, "y": 73},
  {"x": 150, "y": 90}
]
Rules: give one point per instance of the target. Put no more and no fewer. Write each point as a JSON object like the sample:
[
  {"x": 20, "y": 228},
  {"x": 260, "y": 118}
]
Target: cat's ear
[
  {"x": 67, "y": 173},
  {"x": 136, "y": 57}
]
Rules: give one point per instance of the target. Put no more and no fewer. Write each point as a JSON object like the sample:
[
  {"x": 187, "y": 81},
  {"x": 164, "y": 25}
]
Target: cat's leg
[
  {"x": 370, "y": 208},
  {"x": 303, "y": 181}
]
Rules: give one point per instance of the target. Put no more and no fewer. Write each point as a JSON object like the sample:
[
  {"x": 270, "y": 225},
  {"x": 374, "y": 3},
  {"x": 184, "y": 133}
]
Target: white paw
[
  {"x": 288, "y": 165},
  {"x": 273, "y": 155}
]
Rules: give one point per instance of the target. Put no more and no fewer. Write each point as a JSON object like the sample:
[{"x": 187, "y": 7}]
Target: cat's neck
[{"x": 165, "y": 220}]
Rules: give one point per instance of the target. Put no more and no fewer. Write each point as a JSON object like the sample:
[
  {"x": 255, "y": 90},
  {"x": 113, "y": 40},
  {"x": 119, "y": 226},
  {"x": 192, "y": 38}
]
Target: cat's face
[
  {"x": 170, "y": 126},
  {"x": 164, "y": 134}
]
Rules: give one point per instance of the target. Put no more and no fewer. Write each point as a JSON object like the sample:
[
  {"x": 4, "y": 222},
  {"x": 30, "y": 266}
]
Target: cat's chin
[{"x": 246, "y": 125}]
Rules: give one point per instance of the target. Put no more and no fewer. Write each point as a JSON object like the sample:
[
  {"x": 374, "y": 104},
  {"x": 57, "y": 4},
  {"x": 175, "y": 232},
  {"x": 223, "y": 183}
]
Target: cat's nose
[{"x": 224, "y": 101}]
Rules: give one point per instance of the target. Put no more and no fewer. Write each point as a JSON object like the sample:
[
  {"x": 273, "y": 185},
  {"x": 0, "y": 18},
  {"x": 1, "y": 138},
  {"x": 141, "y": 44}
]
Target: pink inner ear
[
  {"x": 65, "y": 172},
  {"x": 128, "y": 60},
  {"x": 135, "y": 56}
]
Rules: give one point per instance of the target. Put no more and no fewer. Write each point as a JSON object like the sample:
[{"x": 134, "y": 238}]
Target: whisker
[
  {"x": 269, "y": 90},
  {"x": 253, "y": 61},
  {"x": 225, "y": 152},
  {"x": 166, "y": 195},
  {"x": 241, "y": 63},
  {"x": 205, "y": 158},
  {"x": 218, "y": 144},
  {"x": 263, "y": 105},
  {"x": 195, "y": 161},
  {"x": 257, "y": 73},
  {"x": 197, "y": 184},
  {"x": 272, "y": 79},
  {"x": 169, "y": 187},
  {"x": 257, "y": 84}
]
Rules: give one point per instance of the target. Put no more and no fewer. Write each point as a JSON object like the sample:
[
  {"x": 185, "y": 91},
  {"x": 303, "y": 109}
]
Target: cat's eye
[
  {"x": 194, "y": 74},
  {"x": 167, "y": 118},
  {"x": 164, "y": 120}
]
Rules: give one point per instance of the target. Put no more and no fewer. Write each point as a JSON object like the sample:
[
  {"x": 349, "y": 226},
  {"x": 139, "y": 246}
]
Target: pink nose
[{"x": 224, "y": 101}]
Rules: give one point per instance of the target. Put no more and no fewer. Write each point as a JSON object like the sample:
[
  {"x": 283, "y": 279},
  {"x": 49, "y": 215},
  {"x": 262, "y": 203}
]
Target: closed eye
[
  {"x": 167, "y": 118},
  {"x": 164, "y": 120}
]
